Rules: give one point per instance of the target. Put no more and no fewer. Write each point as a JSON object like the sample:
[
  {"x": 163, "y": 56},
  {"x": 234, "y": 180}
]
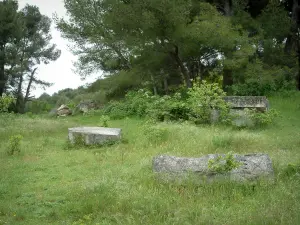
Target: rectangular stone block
[
  {"x": 94, "y": 135},
  {"x": 260, "y": 103},
  {"x": 252, "y": 167}
]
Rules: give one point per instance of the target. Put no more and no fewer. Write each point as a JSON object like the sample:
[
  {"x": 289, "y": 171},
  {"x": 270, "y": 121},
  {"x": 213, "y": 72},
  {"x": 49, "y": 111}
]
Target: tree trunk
[
  {"x": 183, "y": 70},
  {"x": 154, "y": 85},
  {"x": 227, "y": 73},
  {"x": 292, "y": 43},
  {"x": 228, "y": 8},
  {"x": 20, "y": 100},
  {"x": 2, "y": 71},
  {"x": 298, "y": 75},
  {"x": 29, "y": 86},
  {"x": 166, "y": 86},
  {"x": 227, "y": 79}
]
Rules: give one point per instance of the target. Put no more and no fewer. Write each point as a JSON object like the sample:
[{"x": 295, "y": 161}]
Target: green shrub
[
  {"x": 38, "y": 107},
  {"x": 203, "y": 99},
  {"x": 260, "y": 119},
  {"x": 104, "y": 121},
  {"x": 71, "y": 105},
  {"x": 253, "y": 88},
  {"x": 169, "y": 108},
  {"x": 79, "y": 142},
  {"x": 116, "y": 110},
  {"x": 258, "y": 79},
  {"x": 5, "y": 102},
  {"x": 154, "y": 134},
  {"x": 14, "y": 144},
  {"x": 222, "y": 141},
  {"x": 291, "y": 170},
  {"x": 135, "y": 103},
  {"x": 139, "y": 101},
  {"x": 197, "y": 105},
  {"x": 223, "y": 164}
]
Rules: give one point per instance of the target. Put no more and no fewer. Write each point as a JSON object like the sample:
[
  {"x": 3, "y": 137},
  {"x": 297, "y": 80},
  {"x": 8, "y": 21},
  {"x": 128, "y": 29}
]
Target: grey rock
[
  {"x": 94, "y": 135},
  {"x": 86, "y": 106},
  {"x": 237, "y": 104},
  {"x": 240, "y": 118},
  {"x": 214, "y": 116},
  {"x": 63, "y": 110},
  {"x": 260, "y": 103},
  {"x": 253, "y": 167}
]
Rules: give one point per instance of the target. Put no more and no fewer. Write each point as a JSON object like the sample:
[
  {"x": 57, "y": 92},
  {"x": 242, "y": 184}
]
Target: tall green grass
[{"x": 46, "y": 184}]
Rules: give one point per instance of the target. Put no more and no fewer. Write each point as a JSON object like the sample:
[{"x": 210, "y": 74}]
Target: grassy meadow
[{"x": 47, "y": 183}]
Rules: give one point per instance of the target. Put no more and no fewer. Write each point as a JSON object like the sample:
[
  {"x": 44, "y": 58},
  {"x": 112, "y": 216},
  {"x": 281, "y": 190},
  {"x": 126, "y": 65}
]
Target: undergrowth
[{"x": 115, "y": 184}]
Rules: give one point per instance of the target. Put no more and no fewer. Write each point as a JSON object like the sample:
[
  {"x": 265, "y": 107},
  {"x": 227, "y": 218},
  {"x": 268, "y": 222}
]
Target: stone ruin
[
  {"x": 260, "y": 103},
  {"x": 94, "y": 135},
  {"x": 63, "y": 110},
  {"x": 252, "y": 167},
  {"x": 237, "y": 105}
]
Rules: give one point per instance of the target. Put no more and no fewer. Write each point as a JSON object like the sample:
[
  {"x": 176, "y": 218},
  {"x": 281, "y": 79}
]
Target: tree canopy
[
  {"x": 25, "y": 43},
  {"x": 173, "y": 42}
]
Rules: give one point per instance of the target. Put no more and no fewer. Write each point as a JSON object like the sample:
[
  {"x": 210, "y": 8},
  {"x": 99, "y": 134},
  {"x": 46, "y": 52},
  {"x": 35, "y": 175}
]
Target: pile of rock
[
  {"x": 63, "y": 110},
  {"x": 86, "y": 106}
]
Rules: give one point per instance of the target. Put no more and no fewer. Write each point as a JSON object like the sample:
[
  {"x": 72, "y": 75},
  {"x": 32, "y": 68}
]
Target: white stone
[
  {"x": 252, "y": 167},
  {"x": 94, "y": 135}
]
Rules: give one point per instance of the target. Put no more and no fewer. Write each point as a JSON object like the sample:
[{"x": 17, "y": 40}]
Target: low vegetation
[
  {"x": 114, "y": 184},
  {"x": 166, "y": 67}
]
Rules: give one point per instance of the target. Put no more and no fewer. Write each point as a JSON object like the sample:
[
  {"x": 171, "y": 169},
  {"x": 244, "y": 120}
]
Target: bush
[
  {"x": 104, "y": 121},
  {"x": 116, "y": 110},
  {"x": 14, "y": 144},
  {"x": 197, "y": 105},
  {"x": 154, "y": 134},
  {"x": 223, "y": 164},
  {"x": 222, "y": 141},
  {"x": 253, "y": 88},
  {"x": 5, "y": 102},
  {"x": 169, "y": 108},
  {"x": 262, "y": 119},
  {"x": 205, "y": 98},
  {"x": 38, "y": 107},
  {"x": 134, "y": 104},
  {"x": 259, "y": 79},
  {"x": 291, "y": 170}
]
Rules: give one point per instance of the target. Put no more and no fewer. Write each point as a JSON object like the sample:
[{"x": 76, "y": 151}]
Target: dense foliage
[
  {"x": 25, "y": 43},
  {"x": 249, "y": 47},
  {"x": 196, "y": 105},
  {"x": 5, "y": 102}
]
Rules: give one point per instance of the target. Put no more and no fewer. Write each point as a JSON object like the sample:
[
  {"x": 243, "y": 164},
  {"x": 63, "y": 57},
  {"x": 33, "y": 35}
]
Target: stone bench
[
  {"x": 252, "y": 167},
  {"x": 237, "y": 105},
  {"x": 94, "y": 135},
  {"x": 259, "y": 103}
]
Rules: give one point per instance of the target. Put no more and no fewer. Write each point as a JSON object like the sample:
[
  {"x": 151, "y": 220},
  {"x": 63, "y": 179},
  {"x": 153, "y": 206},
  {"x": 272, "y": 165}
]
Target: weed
[
  {"x": 262, "y": 119},
  {"x": 155, "y": 134},
  {"x": 116, "y": 184},
  {"x": 104, "y": 121},
  {"x": 222, "y": 141},
  {"x": 5, "y": 102},
  {"x": 203, "y": 99},
  {"x": 14, "y": 144},
  {"x": 224, "y": 164},
  {"x": 291, "y": 170}
]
